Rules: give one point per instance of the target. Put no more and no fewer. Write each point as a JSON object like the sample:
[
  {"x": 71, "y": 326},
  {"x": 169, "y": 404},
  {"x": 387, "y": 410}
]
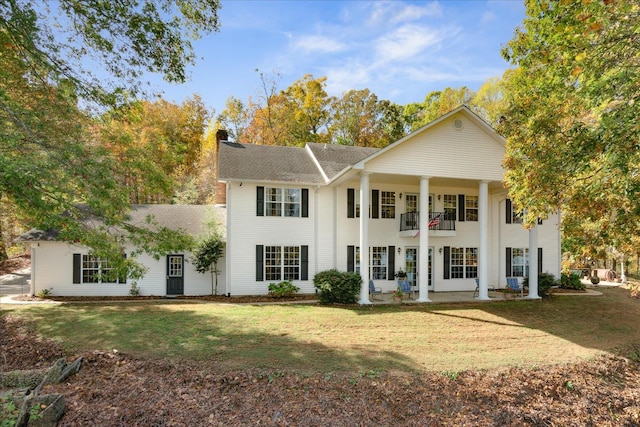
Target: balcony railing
[{"x": 437, "y": 221}]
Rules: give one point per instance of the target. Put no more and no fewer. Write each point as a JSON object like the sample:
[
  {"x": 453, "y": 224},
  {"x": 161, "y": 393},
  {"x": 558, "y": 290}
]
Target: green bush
[
  {"x": 44, "y": 293},
  {"x": 545, "y": 282},
  {"x": 571, "y": 281},
  {"x": 283, "y": 289},
  {"x": 334, "y": 286}
]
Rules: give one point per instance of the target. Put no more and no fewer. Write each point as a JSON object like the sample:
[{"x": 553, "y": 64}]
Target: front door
[
  {"x": 175, "y": 274},
  {"x": 411, "y": 266}
]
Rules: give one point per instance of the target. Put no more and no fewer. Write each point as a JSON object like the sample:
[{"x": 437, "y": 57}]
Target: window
[
  {"x": 388, "y": 204},
  {"x": 288, "y": 202},
  {"x": 282, "y": 262},
  {"x": 450, "y": 206},
  {"x": 471, "y": 208},
  {"x": 519, "y": 262},
  {"x": 378, "y": 263},
  {"x": 95, "y": 270},
  {"x": 513, "y": 214},
  {"x": 379, "y": 266},
  {"x": 277, "y": 263},
  {"x": 460, "y": 263}
]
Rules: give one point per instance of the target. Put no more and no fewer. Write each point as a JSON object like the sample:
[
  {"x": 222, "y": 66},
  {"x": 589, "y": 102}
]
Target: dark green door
[{"x": 175, "y": 274}]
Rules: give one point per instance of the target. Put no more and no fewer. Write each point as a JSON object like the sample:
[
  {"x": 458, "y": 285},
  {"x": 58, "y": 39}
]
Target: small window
[
  {"x": 450, "y": 207},
  {"x": 519, "y": 262},
  {"x": 388, "y": 204},
  {"x": 471, "y": 208}
]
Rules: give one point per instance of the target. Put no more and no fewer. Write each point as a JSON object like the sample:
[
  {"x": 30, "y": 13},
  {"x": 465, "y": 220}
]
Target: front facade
[
  {"x": 431, "y": 205},
  {"x": 436, "y": 208}
]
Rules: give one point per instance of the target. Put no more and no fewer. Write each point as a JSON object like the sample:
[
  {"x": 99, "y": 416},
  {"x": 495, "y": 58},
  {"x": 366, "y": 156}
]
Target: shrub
[
  {"x": 571, "y": 281},
  {"x": 283, "y": 289},
  {"x": 134, "y": 290},
  {"x": 545, "y": 282},
  {"x": 337, "y": 287},
  {"x": 43, "y": 293}
]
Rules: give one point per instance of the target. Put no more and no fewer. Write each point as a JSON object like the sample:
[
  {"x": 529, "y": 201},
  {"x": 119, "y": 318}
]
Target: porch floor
[{"x": 440, "y": 297}]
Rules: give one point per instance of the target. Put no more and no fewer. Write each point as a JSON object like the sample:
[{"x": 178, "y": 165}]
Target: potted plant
[
  {"x": 397, "y": 295},
  {"x": 401, "y": 275},
  {"x": 595, "y": 280}
]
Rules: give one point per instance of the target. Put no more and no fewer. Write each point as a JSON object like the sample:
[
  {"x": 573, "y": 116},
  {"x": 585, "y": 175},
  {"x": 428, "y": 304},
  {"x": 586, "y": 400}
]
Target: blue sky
[{"x": 400, "y": 50}]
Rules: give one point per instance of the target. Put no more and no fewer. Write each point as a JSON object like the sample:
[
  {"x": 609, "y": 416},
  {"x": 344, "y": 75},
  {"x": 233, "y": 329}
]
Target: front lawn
[{"x": 306, "y": 338}]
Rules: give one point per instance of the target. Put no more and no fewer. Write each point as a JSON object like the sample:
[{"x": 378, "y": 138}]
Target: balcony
[{"x": 440, "y": 224}]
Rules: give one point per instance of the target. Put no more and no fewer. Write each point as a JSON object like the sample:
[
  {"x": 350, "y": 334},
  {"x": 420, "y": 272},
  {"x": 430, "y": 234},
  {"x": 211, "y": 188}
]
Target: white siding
[
  {"x": 443, "y": 151},
  {"x": 54, "y": 270}
]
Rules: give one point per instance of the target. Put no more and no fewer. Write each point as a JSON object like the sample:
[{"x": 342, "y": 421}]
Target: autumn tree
[
  {"x": 234, "y": 119},
  {"x": 49, "y": 51},
  {"x": 436, "y": 104},
  {"x": 360, "y": 119},
  {"x": 309, "y": 100},
  {"x": 489, "y": 101},
  {"x": 573, "y": 112}
]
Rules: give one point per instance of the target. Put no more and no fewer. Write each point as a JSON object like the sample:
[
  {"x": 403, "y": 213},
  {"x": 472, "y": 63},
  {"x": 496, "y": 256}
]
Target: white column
[
  {"x": 483, "y": 250},
  {"x": 533, "y": 263},
  {"x": 423, "y": 264},
  {"x": 364, "y": 238},
  {"x": 623, "y": 277}
]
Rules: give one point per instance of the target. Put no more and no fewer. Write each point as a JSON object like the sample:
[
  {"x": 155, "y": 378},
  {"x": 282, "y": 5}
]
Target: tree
[
  {"x": 309, "y": 100},
  {"x": 234, "y": 119},
  {"x": 489, "y": 101},
  {"x": 50, "y": 164},
  {"x": 205, "y": 258},
  {"x": 436, "y": 104},
  {"x": 572, "y": 118},
  {"x": 360, "y": 119}
]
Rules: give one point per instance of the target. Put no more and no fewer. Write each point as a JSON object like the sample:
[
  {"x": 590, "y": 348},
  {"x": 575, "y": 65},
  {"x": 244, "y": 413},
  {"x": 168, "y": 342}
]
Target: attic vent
[{"x": 458, "y": 124}]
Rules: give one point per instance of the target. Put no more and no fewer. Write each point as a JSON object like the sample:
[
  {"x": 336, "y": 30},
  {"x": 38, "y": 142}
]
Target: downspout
[
  {"x": 315, "y": 230},
  {"x": 228, "y": 269}
]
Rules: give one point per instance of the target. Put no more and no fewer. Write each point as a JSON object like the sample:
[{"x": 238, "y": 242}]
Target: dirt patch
[{"x": 118, "y": 389}]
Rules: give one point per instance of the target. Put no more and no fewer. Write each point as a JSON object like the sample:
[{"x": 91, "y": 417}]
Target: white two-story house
[{"x": 432, "y": 204}]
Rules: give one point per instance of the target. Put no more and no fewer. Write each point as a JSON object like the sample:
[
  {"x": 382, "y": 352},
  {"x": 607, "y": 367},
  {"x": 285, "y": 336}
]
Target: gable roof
[
  {"x": 334, "y": 158},
  {"x": 193, "y": 219},
  {"x": 313, "y": 164},
  {"x": 267, "y": 163}
]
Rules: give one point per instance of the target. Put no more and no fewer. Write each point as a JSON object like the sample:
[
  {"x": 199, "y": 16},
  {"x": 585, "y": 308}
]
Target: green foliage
[
  {"x": 571, "y": 281},
  {"x": 44, "y": 293},
  {"x": 134, "y": 290},
  {"x": 337, "y": 287},
  {"x": 571, "y": 123},
  {"x": 206, "y": 255},
  {"x": 545, "y": 282},
  {"x": 283, "y": 289}
]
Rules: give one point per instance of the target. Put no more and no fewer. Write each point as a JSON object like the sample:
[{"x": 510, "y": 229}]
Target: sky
[{"x": 399, "y": 50}]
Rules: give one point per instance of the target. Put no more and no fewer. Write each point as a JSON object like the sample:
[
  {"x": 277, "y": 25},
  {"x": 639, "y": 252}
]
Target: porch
[{"x": 440, "y": 297}]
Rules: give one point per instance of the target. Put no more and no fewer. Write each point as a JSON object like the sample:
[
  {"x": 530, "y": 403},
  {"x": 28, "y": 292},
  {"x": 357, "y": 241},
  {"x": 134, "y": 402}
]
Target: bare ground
[{"x": 115, "y": 389}]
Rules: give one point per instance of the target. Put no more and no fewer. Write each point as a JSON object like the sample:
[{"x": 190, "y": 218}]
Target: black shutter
[
  {"x": 461, "y": 207},
  {"x": 391, "y": 261},
  {"x": 539, "y": 221},
  {"x": 77, "y": 263},
  {"x": 508, "y": 262},
  {"x": 304, "y": 262},
  {"x": 351, "y": 205},
  {"x": 447, "y": 262},
  {"x": 260, "y": 201},
  {"x": 259, "y": 263},
  {"x": 123, "y": 276},
  {"x": 351, "y": 258},
  {"x": 507, "y": 210},
  {"x": 539, "y": 260},
  {"x": 374, "y": 203},
  {"x": 305, "y": 203}
]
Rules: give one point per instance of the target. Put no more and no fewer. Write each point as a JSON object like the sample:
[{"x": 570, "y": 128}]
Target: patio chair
[
  {"x": 373, "y": 290},
  {"x": 406, "y": 288},
  {"x": 477, "y": 291},
  {"x": 515, "y": 286}
]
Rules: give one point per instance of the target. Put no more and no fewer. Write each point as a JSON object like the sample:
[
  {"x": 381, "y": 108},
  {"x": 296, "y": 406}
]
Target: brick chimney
[{"x": 221, "y": 187}]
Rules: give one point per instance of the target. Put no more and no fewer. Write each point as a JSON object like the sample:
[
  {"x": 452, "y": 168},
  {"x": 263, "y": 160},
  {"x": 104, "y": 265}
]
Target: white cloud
[
  {"x": 487, "y": 17},
  {"x": 316, "y": 43},
  {"x": 395, "y": 12},
  {"x": 406, "y": 43}
]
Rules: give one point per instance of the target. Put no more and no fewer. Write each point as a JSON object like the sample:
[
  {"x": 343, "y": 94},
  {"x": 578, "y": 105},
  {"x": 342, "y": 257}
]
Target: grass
[{"x": 437, "y": 337}]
